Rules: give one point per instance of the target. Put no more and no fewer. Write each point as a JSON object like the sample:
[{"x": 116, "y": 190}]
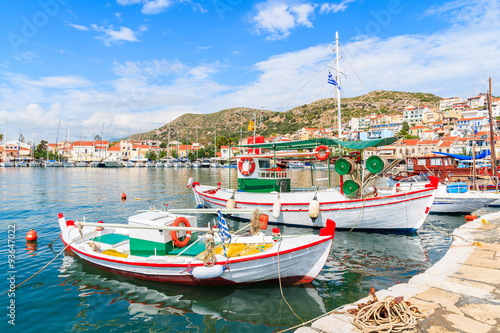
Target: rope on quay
[{"x": 391, "y": 315}]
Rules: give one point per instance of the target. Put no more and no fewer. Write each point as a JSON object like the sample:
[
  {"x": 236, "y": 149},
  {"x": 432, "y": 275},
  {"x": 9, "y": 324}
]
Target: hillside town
[{"x": 455, "y": 126}]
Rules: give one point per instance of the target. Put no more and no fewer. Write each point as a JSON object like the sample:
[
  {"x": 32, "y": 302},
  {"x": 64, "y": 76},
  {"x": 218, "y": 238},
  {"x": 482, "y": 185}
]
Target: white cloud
[
  {"x": 149, "y": 7},
  {"x": 334, "y": 7},
  {"x": 79, "y": 27},
  {"x": 111, "y": 36},
  {"x": 277, "y": 18},
  {"x": 144, "y": 95},
  {"x": 155, "y": 6}
]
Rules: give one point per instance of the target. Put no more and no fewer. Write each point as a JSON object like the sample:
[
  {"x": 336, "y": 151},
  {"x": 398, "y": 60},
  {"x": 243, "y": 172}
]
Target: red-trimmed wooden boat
[{"x": 149, "y": 247}]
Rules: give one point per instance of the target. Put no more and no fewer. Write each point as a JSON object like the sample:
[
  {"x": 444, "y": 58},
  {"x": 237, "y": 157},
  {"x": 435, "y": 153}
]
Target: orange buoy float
[
  {"x": 469, "y": 218},
  {"x": 124, "y": 196},
  {"x": 31, "y": 236}
]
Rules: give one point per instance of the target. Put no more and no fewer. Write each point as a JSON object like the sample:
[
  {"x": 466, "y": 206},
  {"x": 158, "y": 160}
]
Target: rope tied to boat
[
  {"x": 255, "y": 222},
  {"x": 390, "y": 315},
  {"x": 209, "y": 258}
]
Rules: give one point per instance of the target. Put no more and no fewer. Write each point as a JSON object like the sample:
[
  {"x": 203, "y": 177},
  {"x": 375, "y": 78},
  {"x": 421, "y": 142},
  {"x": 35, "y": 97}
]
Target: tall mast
[
  {"x": 492, "y": 137},
  {"x": 57, "y": 138},
  {"x": 337, "y": 92}
]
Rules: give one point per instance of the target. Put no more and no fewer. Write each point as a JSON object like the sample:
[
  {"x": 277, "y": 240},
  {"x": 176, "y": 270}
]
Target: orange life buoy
[
  {"x": 173, "y": 233},
  {"x": 321, "y": 152},
  {"x": 250, "y": 170},
  {"x": 355, "y": 156}
]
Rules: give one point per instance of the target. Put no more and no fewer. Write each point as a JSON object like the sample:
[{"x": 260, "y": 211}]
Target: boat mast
[
  {"x": 337, "y": 91},
  {"x": 57, "y": 139},
  {"x": 494, "y": 172}
]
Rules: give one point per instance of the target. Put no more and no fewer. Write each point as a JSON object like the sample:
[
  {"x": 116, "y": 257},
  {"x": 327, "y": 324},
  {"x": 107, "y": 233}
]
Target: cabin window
[
  {"x": 436, "y": 161},
  {"x": 264, "y": 164},
  {"x": 446, "y": 161},
  {"x": 421, "y": 162}
]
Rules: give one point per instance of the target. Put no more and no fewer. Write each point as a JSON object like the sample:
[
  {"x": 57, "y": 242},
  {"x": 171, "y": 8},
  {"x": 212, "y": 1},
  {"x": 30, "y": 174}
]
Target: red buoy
[
  {"x": 31, "y": 236},
  {"x": 124, "y": 196}
]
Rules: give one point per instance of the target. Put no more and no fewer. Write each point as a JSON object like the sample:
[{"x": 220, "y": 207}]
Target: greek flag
[
  {"x": 224, "y": 232},
  {"x": 332, "y": 81},
  {"x": 475, "y": 130}
]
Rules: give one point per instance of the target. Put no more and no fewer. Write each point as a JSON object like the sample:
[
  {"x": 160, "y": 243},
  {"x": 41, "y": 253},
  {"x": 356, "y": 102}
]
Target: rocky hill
[{"x": 319, "y": 114}]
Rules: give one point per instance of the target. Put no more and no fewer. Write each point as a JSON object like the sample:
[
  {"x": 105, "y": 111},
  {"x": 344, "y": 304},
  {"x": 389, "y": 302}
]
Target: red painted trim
[{"x": 231, "y": 261}]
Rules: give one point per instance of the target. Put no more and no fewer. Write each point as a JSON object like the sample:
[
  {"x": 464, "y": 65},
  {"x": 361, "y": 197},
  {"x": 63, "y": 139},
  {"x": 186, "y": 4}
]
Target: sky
[{"x": 129, "y": 66}]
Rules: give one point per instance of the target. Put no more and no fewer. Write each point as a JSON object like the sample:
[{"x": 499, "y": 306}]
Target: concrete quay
[{"x": 460, "y": 293}]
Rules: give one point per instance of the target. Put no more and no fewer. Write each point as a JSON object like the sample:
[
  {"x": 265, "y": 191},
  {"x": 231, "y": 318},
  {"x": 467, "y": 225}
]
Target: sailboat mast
[
  {"x": 494, "y": 172},
  {"x": 57, "y": 139},
  {"x": 337, "y": 91}
]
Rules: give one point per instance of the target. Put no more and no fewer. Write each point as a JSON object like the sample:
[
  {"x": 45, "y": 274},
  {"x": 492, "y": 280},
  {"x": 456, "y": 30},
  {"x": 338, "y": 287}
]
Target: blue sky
[{"x": 134, "y": 65}]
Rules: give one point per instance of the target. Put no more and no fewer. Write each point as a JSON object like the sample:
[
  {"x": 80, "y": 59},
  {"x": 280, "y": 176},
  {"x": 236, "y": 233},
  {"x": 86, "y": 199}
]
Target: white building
[{"x": 447, "y": 103}]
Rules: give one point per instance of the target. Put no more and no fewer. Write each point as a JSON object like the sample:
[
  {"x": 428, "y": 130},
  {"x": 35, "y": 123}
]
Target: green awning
[{"x": 312, "y": 144}]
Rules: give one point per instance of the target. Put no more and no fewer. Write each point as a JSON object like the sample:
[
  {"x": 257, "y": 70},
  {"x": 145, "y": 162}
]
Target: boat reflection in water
[{"x": 259, "y": 304}]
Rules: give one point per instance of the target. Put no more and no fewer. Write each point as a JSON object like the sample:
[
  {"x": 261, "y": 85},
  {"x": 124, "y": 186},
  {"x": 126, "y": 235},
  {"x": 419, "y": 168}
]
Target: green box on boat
[
  {"x": 264, "y": 185},
  {"x": 149, "y": 242}
]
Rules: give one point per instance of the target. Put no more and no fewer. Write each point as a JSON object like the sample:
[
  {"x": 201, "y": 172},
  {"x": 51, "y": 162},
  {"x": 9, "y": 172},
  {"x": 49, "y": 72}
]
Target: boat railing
[{"x": 271, "y": 174}]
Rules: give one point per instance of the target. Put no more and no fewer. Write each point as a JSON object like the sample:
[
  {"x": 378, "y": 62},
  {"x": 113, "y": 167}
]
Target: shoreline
[{"x": 460, "y": 293}]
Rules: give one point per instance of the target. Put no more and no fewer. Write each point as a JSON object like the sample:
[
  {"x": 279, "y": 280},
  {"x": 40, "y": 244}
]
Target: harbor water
[{"x": 73, "y": 296}]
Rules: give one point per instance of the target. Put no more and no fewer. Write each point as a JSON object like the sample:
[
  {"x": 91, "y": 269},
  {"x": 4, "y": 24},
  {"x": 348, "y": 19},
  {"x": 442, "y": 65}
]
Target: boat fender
[
  {"x": 99, "y": 229},
  {"x": 190, "y": 181},
  {"x": 314, "y": 208},
  {"x": 231, "y": 203},
  {"x": 205, "y": 272},
  {"x": 277, "y": 208},
  {"x": 263, "y": 219},
  {"x": 31, "y": 236}
]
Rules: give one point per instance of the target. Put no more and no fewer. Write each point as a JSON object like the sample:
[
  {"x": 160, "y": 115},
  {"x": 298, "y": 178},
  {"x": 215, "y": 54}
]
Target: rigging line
[
  {"x": 289, "y": 100},
  {"x": 355, "y": 73}
]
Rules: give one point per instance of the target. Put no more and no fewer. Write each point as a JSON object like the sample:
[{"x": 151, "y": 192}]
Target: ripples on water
[{"x": 71, "y": 295}]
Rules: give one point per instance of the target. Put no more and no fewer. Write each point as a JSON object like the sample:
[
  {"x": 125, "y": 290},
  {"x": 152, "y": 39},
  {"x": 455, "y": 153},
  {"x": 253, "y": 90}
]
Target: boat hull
[
  {"x": 403, "y": 212},
  {"x": 293, "y": 260}
]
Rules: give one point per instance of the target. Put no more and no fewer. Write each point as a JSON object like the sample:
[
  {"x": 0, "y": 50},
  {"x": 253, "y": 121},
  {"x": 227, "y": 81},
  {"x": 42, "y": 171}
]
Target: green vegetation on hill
[{"x": 319, "y": 114}]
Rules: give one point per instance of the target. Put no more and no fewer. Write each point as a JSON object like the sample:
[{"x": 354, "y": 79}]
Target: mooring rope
[
  {"x": 279, "y": 277},
  {"x": 209, "y": 258},
  {"x": 41, "y": 269}
]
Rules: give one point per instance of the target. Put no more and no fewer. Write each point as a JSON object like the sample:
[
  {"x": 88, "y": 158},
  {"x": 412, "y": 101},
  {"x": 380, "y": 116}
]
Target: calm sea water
[{"x": 72, "y": 296}]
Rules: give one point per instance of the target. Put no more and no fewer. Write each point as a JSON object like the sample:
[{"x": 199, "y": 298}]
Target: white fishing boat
[
  {"x": 34, "y": 164},
  {"x": 296, "y": 165},
  {"x": 6, "y": 164},
  {"x": 128, "y": 164},
  {"x": 81, "y": 164},
  {"x": 196, "y": 164},
  {"x": 452, "y": 198},
  {"x": 353, "y": 207},
  {"x": 149, "y": 246},
  {"x": 68, "y": 164},
  {"x": 21, "y": 164},
  {"x": 149, "y": 164}
]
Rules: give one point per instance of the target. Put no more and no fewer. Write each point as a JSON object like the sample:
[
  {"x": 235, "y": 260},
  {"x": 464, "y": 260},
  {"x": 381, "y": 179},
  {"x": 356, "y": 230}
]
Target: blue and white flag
[
  {"x": 332, "y": 81},
  {"x": 225, "y": 235},
  {"x": 475, "y": 129}
]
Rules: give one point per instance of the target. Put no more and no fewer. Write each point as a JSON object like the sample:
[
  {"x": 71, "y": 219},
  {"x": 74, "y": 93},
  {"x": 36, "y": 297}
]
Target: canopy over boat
[
  {"x": 311, "y": 144},
  {"x": 482, "y": 155}
]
